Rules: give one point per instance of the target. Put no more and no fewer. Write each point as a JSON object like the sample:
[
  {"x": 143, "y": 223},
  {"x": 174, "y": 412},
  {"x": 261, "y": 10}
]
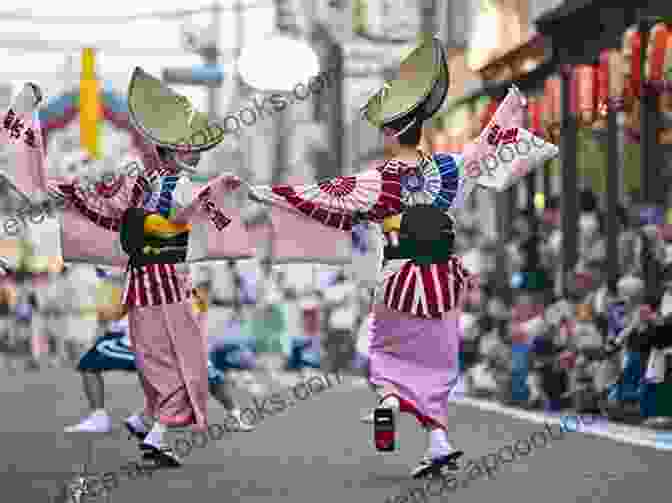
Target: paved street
[{"x": 315, "y": 452}]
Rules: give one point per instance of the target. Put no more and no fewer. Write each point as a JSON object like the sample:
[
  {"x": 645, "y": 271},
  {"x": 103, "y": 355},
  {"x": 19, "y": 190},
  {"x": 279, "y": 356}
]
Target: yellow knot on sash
[
  {"x": 159, "y": 226},
  {"x": 392, "y": 224}
]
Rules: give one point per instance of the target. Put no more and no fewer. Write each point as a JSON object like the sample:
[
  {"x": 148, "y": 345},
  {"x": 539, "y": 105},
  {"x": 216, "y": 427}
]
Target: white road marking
[{"x": 659, "y": 440}]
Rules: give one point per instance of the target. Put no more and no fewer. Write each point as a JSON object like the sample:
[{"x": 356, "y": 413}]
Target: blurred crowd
[
  {"x": 50, "y": 319},
  {"x": 578, "y": 348}
]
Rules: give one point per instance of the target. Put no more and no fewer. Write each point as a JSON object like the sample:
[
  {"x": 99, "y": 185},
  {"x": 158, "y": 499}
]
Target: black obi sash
[
  {"x": 426, "y": 236},
  {"x": 143, "y": 249}
]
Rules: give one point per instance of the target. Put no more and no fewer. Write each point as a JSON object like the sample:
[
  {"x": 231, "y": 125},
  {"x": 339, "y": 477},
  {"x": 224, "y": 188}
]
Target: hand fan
[{"x": 434, "y": 181}]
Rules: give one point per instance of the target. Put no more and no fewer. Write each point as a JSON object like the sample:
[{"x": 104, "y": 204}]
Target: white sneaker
[{"x": 95, "y": 423}]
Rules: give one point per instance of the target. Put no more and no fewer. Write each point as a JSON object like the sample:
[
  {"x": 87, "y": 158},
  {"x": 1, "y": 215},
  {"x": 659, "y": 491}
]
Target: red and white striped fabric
[
  {"x": 156, "y": 284},
  {"x": 427, "y": 291}
]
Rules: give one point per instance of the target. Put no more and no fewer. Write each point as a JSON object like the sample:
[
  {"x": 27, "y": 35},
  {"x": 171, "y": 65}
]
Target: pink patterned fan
[
  {"x": 375, "y": 194},
  {"x": 21, "y": 138}
]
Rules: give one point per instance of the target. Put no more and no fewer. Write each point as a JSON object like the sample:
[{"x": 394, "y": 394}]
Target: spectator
[
  {"x": 340, "y": 307},
  {"x": 655, "y": 396},
  {"x": 628, "y": 244}
]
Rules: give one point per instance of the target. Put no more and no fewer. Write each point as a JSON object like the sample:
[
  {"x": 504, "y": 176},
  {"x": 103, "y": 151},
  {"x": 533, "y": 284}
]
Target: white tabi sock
[
  {"x": 391, "y": 402},
  {"x": 155, "y": 436},
  {"x": 99, "y": 412},
  {"x": 438, "y": 444},
  {"x": 137, "y": 422}
]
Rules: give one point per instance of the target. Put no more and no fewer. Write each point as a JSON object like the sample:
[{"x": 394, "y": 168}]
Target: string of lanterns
[{"x": 614, "y": 82}]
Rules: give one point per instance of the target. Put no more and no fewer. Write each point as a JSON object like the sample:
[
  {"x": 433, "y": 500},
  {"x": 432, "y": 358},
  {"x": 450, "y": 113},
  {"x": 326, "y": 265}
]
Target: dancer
[
  {"x": 144, "y": 223},
  {"x": 414, "y": 326},
  {"x": 414, "y": 330},
  {"x": 79, "y": 324},
  {"x": 112, "y": 352}
]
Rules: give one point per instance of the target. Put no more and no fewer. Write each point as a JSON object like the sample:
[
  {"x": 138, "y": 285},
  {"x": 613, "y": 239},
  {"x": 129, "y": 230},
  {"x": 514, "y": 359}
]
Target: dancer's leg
[
  {"x": 140, "y": 422},
  {"x": 108, "y": 353},
  {"x": 221, "y": 386},
  {"x": 441, "y": 455},
  {"x": 98, "y": 420},
  {"x": 94, "y": 389},
  {"x": 171, "y": 353},
  {"x": 368, "y": 417}
]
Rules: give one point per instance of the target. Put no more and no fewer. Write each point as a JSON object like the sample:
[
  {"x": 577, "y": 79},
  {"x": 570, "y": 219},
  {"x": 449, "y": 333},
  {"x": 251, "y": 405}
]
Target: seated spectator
[
  {"x": 655, "y": 397},
  {"x": 549, "y": 376}
]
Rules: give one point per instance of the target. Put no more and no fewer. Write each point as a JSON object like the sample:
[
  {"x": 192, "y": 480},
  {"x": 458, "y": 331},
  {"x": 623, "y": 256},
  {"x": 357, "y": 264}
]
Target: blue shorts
[
  {"x": 232, "y": 356},
  {"x": 112, "y": 352},
  {"x": 301, "y": 355}
]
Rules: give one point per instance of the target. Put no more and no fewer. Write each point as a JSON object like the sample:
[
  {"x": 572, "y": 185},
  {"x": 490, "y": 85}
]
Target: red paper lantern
[
  {"x": 584, "y": 93},
  {"x": 534, "y": 108},
  {"x": 631, "y": 47},
  {"x": 656, "y": 63},
  {"x": 551, "y": 109},
  {"x": 659, "y": 39}
]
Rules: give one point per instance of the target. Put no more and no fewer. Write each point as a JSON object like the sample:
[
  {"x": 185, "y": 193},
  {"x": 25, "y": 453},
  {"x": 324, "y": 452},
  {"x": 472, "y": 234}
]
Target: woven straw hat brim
[
  {"x": 421, "y": 88},
  {"x": 167, "y": 118}
]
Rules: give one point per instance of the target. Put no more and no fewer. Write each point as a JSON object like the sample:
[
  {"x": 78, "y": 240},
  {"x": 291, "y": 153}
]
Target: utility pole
[
  {"x": 336, "y": 124},
  {"x": 428, "y": 15},
  {"x": 329, "y": 105},
  {"x": 285, "y": 23},
  {"x": 648, "y": 103},
  {"x": 209, "y": 74},
  {"x": 210, "y": 56},
  {"x": 650, "y": 151},
  {"x": 613, "y": 189},
  {"x": 569, "y": 205},
  {"x": 244, "y": 144}
]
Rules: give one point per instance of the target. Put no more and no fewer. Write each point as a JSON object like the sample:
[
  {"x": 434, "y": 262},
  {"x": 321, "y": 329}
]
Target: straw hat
[
  {"x": 167, "y": 118},
  {"x": 419, "y": 91}
]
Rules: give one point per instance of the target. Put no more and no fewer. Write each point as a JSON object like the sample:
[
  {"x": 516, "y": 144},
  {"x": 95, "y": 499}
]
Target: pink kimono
[
  {"x": 413, "y": 329},
  {"x": 165, "y": 333}
]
